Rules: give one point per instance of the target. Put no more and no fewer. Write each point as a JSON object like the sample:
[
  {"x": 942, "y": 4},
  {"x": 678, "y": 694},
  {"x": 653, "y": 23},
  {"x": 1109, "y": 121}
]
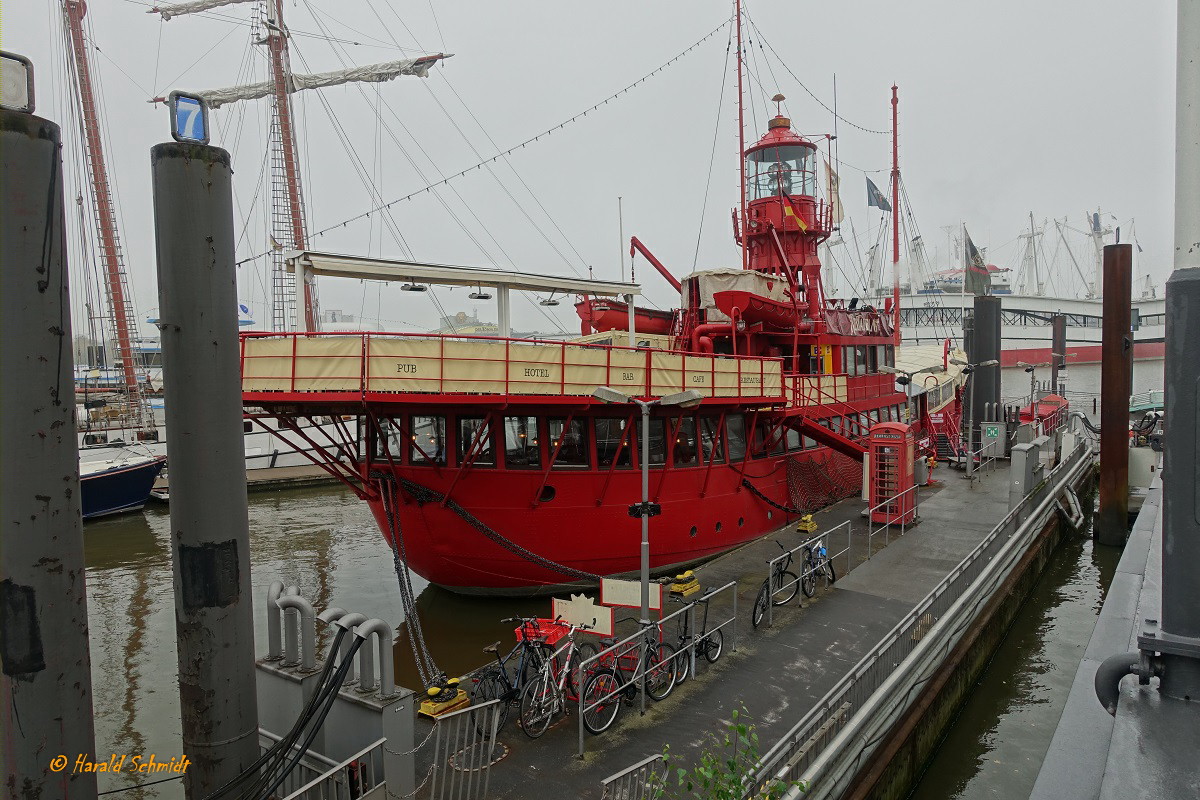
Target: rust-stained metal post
[
  {"x": 1112, "y": 522},
  {"x": 45, "y": 669},
  {"x": 210, "y": 538},
  {"x": 1058, "y": 349}
]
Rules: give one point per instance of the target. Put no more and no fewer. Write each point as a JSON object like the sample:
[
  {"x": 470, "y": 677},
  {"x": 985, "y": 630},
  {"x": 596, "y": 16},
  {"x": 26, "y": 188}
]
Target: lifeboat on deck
[
  {"x": 754, "y": 309},
  {"x": 608, "y": 315}
]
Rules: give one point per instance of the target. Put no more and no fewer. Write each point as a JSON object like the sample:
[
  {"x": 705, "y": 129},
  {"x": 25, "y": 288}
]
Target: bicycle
[
  {"x": 782, "y": 581},
  {"x": 816, "y": 562},
  {"x": 710, "y": 645},
  {"x": 603, "y": 692},
  {"x": 497, "y": 682},
  {"x": 547, "y": 694}
]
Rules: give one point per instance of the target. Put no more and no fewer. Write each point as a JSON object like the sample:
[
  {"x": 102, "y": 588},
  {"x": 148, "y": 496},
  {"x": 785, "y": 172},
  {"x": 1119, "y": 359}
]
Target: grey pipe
[
  {"x": 366, "y": 651},
  {"x": 274, "y": 620},
  {"x": 1109, "y": 675},
  {"x": 387, "y": 678},
  {"x": 308, "y": 631}
]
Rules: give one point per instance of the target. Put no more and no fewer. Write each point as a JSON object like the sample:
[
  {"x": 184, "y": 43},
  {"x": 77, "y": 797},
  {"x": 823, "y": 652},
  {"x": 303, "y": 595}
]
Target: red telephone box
[{"x": 893, "y": 450}]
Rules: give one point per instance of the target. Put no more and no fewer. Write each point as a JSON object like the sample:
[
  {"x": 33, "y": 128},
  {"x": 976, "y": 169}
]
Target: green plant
[{"x": 724, "y": 770}]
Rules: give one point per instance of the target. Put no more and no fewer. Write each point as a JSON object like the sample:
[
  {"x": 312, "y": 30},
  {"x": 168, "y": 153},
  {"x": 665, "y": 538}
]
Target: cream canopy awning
[{"x": 336, "y": 265}]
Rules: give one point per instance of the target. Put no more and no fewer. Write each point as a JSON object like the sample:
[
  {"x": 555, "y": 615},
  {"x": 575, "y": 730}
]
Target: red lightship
[{"x": 492, "y": 468}]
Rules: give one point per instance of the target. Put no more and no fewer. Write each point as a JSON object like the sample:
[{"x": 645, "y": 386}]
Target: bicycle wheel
[
  {"x": 784, "y": 585},
  {"x": 493, "y": 685},
  {"x": 808, "y": 566},
  {"x": 830, "y": 575},
  {"x": 660, "y": 671},
  {"x": 537, "y": 706},
  {"x": 683, "y": 662},
  {"x": 601, "y": 701},
  {"x": 712, "y": 645},
  {"x": 760, "y": 605}
]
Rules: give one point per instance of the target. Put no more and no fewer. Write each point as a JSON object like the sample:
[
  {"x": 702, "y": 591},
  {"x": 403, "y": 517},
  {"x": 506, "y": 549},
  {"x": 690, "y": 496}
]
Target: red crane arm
[{"x": 635, "y": 246}]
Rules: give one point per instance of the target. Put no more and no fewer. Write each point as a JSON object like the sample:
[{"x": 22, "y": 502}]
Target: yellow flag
[{"x": 788, "y": 211}]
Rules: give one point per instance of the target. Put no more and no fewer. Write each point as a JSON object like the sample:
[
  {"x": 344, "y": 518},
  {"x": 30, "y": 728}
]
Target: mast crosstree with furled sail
[{"x": 287, "y": 204}]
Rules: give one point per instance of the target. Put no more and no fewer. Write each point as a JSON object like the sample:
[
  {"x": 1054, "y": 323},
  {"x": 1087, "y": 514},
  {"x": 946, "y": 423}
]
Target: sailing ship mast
[
  {"x": 895, "y": 216},
  {"x": 287, "y": 204},
  {"x": 120, "y": 304}
]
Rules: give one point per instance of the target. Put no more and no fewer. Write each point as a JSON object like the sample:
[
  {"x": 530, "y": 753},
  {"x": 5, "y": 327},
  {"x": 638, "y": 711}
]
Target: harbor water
[{"x": 325, "y": 541}]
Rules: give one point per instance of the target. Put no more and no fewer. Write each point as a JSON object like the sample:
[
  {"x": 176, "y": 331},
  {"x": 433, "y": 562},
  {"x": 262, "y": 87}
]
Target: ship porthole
[
  {"x": 741, "y": 521},
  {"x": 692, "y": 532},
  {"x": 770, "y": 514},
  {"x": 718, "y": 527},
  {"x": 547, "y": 494}
]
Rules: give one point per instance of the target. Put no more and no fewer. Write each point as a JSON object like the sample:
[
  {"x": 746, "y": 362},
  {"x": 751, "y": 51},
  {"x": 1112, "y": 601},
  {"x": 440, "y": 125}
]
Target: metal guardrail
[
  {"x": 463, "y": 752},
  {"x": 820, "y": 538},
  {"x": 641, "y": 781},
  {"x": 886, "y": 526},
  {"x": 805, "y": 752},
  {"x": 640, "y": 640},
  {"x": 353, "y": 777}
]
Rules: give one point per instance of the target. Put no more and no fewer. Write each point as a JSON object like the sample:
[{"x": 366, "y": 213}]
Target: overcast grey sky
[{"x": 1054, "y": 108}]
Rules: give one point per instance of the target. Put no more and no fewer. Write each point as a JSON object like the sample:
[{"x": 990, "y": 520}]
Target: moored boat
[{"x": 493, "y": 466}]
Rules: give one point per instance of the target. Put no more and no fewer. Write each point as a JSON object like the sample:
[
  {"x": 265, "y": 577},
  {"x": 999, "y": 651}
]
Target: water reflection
[{"x": 998, "y": 742}]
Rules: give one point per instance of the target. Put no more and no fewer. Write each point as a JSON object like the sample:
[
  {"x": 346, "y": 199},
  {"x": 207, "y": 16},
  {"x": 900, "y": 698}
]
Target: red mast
[
  {"x": 895, "y": 217},
  {"x": 737, "y": 5},
  {"x": 280, "y": 76},
  {"x": 119, "y": 302}
]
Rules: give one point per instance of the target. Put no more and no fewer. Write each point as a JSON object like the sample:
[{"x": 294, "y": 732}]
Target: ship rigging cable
[
  {"x": 820, "y": 102},
  {"x": 510, "y": 150}
]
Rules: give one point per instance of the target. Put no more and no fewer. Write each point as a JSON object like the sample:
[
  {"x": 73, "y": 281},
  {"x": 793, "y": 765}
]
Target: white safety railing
[
  {"x": 982, "y": 462},
  {"x": 354, "y": 777},
  {"x": 619, "y": 653},
  {"x": 642, "y": 781},
  {"x": 891, "y": 517},
  {"x": 781, "y": 562},
  {"x": 464, "y": 750}
]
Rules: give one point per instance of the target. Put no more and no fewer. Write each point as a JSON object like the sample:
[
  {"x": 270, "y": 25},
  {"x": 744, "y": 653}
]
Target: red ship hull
[{"x": 571, "y": 530}]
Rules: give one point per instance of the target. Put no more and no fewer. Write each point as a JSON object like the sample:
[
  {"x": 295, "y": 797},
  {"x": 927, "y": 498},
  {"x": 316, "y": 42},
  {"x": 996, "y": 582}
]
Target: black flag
[
  {"x": 876, "y": 198},
  {"x": 976, "y": 276}
]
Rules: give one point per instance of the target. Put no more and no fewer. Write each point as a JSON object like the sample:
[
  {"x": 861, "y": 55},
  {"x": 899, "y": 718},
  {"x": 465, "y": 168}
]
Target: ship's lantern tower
[{"x": 785, "y": 219}]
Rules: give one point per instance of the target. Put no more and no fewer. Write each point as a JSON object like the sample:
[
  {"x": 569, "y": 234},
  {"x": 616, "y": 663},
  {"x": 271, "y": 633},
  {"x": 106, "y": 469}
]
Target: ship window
[
  {"x": 521, "y": 450},
  {"x": 861, "y": 360},
  {"x": 735, "y": 437},
  {"x": 573, "y": 450},
  {"x": 608, "y": 442},
  {"x": 483, "y": 454},
  {"x": 787, "y": 170},
  {"x": 890, "y": 355},
  {"x": 658, "y": 442},
  {"x": 428, "y": 440},
  {"x": 683, "y": 453},
  {"x": 794, "y": 440},
  {"x": 710, "y": 440},
  {"x": 873, "y": 359}
]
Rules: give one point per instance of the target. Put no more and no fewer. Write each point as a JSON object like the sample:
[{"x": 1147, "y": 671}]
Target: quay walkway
[
  {"x": 1149, "y": 749},
  {"x": 776, "y": 673}
]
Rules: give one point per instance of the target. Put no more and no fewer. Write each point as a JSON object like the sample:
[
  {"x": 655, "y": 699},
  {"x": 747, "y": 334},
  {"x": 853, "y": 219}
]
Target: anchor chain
[
  {"x": 769, "y": 501},
  {"x": 425, "y": 495},
  {"x": 425, "y": 664}
]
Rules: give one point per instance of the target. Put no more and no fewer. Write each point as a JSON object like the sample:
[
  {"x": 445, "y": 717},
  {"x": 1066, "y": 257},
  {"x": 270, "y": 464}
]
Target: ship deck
[{"x": 777, "y": 673}]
